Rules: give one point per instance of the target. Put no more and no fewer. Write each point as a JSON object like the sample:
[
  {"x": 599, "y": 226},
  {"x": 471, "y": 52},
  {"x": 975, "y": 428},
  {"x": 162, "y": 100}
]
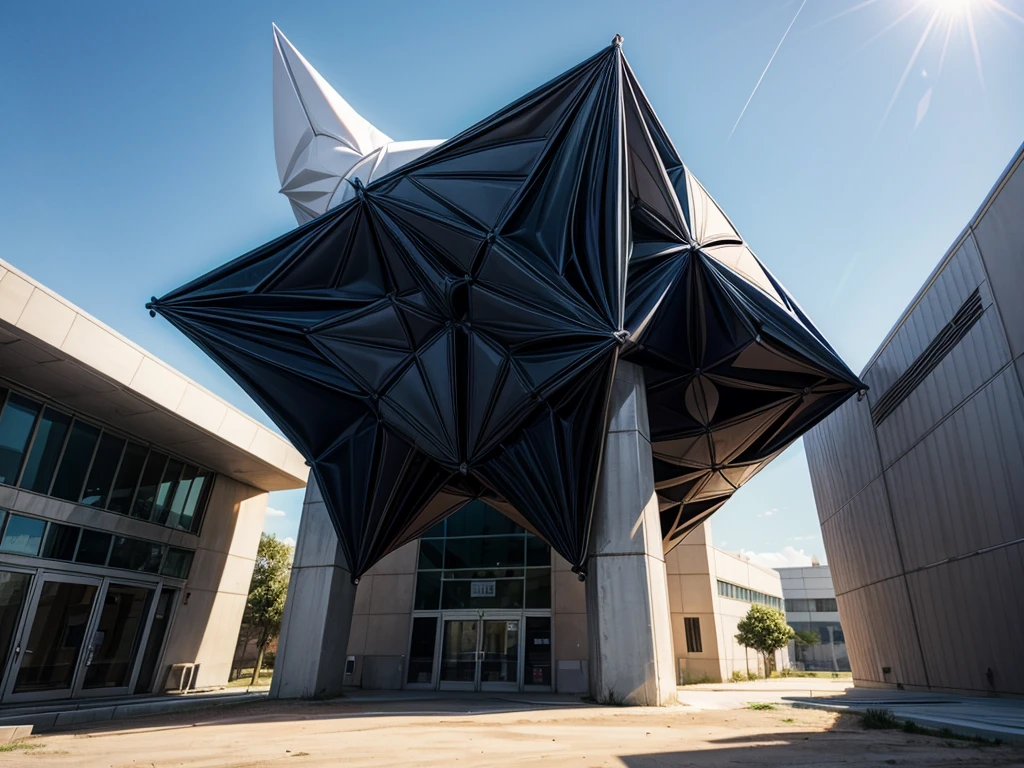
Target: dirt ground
[{"x": 492, "y": 732}]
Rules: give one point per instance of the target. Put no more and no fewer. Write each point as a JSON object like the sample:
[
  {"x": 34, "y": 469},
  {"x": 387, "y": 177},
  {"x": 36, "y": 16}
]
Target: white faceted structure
[{"x": 321, "y": 143}]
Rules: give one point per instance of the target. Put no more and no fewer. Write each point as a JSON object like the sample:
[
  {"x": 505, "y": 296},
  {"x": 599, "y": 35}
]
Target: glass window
[
  {"x": 13, "y": 593},
  {"x": 93, "y": 547},
  {"x": 188, "y": 476},
  {"x": 146, "y": 495},
  {"x": 482, "y": 593},
  {"x": 135, "y": 555},
  {"x": 118, "y": 636},
  {"x": 538, "y": 588},
  {"x": 177, "y": 563},
  {"x": 478, "y": 519},
  {"x": 165, "y": 491},
  {"x": 431, "y": 553},
  {"x": 74, "y": 464},
  {"x": 437, "y": 532},
  {"x": 60, "y": 540},
  {"x": 46, "y": 448},
  {"x": 101, "y": 476},
  {"x": 485, "y": 552},
  {"x": 537, "y": 654},
  {"x": 127, "y": 478},
  {"x": 192, "y": 517},
  {"x": 428, "y": 591},
  {"x": 23, "y": 536},
  {"x": 537, "y": 551},
  {"x": 421, "y": 650},
  {"x": 693, "y": 642},
  {"x": 16, "y": 422}
]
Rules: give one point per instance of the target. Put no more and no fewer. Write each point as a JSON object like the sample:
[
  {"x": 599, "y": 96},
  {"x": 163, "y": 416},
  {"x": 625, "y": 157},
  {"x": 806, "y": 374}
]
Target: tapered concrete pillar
[
  {"x": 628, "y": 619},
  {"x": 311, "y": 650}
]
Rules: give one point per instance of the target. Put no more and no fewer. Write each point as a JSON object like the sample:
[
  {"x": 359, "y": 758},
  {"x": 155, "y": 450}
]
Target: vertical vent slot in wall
[{"x": 928, "y": 360}]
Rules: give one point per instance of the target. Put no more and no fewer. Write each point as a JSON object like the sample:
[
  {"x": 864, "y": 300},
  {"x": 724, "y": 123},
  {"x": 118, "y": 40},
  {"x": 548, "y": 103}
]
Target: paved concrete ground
[
  {"x": 989, "y": 718},
  {"x": 482, "y": 732}
]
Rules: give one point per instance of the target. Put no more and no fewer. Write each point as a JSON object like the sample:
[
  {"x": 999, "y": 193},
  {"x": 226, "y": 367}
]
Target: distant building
[
  {"x": 131, "y": 505},
  {"x": 811, "y": 607},
  {"x": 920, "y": 484}
]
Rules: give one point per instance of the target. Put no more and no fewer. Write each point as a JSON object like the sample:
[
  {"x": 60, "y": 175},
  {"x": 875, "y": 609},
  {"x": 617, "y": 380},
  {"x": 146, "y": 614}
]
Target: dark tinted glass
[
  {"x": 458, "y": 594},
  {"x": 421, "y": 650},
  {"x": 431, "y": 552},
  {"x": 59, "y": 542},
  {"x": 428, "y": 591},
  {"x": 16, "y": 422},
  {"x": 165, "y": 491},
  {"x": 537, "y": 654},
  {"x": 195, "y": 506},
  {"x": 538, "y": 588},
  {"x": 23, "y": 535},
  {"x": 127, "y": 478},
  {"x": 478, "y": 519},
  {"x": 437, "y": 532},
  {"x": 135, "y": 555},
  {"x": 74, "y": 464},
  {"x": 101, "y": 476},
  {"x": 181, "y": 493},
  {"x": 177, "y": 563},
  {"x": 42, "y": 459},
  {"x": 93, "y": 547},
  {"x": 146, "y": 496},
  {"x": 537, "y": 551},
  {"x": 485, "y": 552}
]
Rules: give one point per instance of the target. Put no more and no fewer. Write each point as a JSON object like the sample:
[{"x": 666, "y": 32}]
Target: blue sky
[{"x": 137, "y": 146}]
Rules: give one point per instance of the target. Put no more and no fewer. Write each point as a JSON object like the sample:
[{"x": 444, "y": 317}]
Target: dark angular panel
[{"x": 451, "y": 332}]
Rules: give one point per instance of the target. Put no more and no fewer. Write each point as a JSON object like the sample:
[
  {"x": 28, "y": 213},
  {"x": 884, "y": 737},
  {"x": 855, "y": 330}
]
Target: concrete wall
[
  {"x": 694, "y": 568},
  {"x": 921, "y": 517},
  {"x": 205, "y": 629}
]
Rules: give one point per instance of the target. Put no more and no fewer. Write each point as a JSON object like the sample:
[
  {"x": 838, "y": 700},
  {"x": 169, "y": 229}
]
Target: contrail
[{"x": 742, "y": 111}]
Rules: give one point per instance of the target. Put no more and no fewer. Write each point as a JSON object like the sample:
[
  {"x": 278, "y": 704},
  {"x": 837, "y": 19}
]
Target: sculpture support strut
[{"x": 628, "y": 620}]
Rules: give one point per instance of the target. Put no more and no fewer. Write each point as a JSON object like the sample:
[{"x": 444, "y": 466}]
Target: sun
[{"x": 953, "y": 7}]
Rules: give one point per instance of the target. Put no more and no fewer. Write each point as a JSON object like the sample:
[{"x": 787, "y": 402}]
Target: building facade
[
  {"x": 131, "y": 505},
  {"x": 481, "y": 604},
  {"x": 811, "y": 607},
  {"x": 919, "y": 484}
]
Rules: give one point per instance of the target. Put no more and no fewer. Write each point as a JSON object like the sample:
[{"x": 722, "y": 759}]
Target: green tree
[
  {"x": 265, "y": 605},
  {"x": 807, "y": 637},
  {"x": 764, "y": 630}
]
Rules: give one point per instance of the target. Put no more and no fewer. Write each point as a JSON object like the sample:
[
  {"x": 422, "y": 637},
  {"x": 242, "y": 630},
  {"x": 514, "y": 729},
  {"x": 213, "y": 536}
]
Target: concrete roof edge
[{"x": 288, "y": 468}]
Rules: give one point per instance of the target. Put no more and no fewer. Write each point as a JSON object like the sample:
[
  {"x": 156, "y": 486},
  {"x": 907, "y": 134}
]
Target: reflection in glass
[
  {"x": 135, "y": 555},
  {"x": 458, "y": 651},
  {"x": 165, "y": 491},
  {"x": 117, "y": 636},
  {"x": 56, "y": 638},
  {"x": 46, "y": 448},
  {"x": 177, "y": 563},
  {"x": 421, "y": 650},
  {"x": 145, "y": 497},
  {"x": 93, "y": 548},
  {"x": 74, "y": 464},
  {"x": 101, "y": 476},
  {"x": 155, "y": 641},
  {"x": 499, "y": 659},
  {"x": 538, "y": 588},
  {"x": 13, "y": 590},
  {"x": 127, "y": 478},
  {"x": 188, "y": 476},
  {"x": 60, "y": 541},
  {"x": 537, "y": 654},
  {"x": 192, "y": 517},
  {"x": 16, "y": 422},
  {"x": 23, "y": 536}
]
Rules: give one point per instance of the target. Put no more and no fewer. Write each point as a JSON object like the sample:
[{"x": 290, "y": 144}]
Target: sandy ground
[{"x": 493, "y": 732}]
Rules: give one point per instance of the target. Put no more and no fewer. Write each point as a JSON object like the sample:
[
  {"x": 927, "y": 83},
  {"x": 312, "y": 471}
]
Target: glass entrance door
[
  {"x": 499, "y": 655},
  {"x": 46, "y": 655},
  {"x": 480, "y": 654},
  {"x": 115, "y": 641},
  {"x": 458, "y": 670}
]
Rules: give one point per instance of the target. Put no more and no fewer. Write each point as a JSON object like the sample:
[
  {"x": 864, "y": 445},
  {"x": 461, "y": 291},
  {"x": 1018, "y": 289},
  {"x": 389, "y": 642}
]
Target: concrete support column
[
  {"x": 312, "y": 648},
  {"x": 628, "y": 619}
]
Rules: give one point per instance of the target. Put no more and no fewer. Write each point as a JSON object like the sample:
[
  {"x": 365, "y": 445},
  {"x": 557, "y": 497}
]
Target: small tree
[
  {"x": 806, "y": 637},
  {"x": 265, "y": 605},
  {"x": 764, "y": 630}
]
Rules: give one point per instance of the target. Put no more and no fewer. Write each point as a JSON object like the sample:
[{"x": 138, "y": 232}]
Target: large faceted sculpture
[{"x": 450, "y": 329}]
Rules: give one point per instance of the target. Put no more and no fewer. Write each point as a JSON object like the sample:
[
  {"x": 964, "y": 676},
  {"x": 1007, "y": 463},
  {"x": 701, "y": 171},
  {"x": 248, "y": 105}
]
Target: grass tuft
[
  {"x": 761, "y": 706},
  {"x": 879, "y": 719}
]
